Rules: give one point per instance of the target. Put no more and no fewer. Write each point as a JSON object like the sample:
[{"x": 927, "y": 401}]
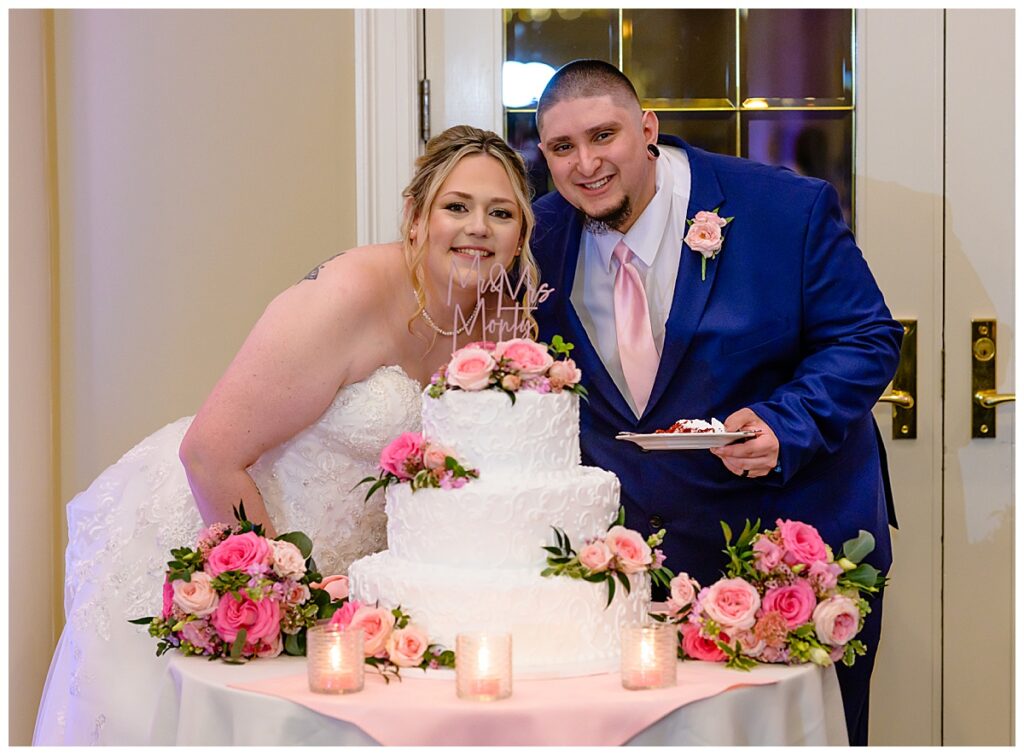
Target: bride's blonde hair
[{"x": 442, "y": 154}]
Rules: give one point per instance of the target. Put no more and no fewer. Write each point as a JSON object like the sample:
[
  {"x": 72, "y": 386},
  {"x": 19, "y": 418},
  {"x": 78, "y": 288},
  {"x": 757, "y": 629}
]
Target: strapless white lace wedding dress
[{"x": 101, "y": 688}]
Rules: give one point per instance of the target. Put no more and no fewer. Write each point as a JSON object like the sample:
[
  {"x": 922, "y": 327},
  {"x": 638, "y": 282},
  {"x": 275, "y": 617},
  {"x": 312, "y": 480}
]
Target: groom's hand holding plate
[{"x": 756, "y": 457}]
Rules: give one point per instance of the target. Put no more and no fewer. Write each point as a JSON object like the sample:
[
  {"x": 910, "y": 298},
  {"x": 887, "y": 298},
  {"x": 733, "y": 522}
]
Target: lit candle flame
[{"x": 334, "y": 657}]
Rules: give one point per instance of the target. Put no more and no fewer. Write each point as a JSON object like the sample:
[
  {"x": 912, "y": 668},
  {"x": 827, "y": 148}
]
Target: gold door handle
[
  {"x": 904, "y": 386},
  {"x": 899, "y": 398},
  {"x": 990, "y": 398}
]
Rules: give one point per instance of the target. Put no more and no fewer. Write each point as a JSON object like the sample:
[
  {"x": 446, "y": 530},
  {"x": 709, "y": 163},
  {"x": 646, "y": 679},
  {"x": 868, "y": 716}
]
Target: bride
[{"x": 330, "y": 373}]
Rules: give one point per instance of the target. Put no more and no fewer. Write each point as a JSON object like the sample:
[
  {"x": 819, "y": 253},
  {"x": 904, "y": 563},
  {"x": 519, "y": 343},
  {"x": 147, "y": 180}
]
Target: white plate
[{"x": 683, "y": 441}]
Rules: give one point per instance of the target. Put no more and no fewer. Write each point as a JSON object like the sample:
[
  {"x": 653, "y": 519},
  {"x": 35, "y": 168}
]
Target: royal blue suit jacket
[{"x": 789, "y": 322}]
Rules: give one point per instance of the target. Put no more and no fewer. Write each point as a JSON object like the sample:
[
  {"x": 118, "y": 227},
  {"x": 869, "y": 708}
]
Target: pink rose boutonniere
[{"x": 705, "y": 236}]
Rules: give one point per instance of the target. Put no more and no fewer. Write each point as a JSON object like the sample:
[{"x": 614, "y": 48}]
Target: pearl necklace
[{"x": 441, "y": 331}]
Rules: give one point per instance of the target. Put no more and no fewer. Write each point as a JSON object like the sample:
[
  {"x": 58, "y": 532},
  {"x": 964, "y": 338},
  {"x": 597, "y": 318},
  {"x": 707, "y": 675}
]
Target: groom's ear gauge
[{"x": 653, "y": 149}]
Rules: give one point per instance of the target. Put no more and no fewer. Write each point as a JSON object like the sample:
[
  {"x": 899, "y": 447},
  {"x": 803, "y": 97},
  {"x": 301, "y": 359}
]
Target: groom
[{"x": 767, "y": 316}]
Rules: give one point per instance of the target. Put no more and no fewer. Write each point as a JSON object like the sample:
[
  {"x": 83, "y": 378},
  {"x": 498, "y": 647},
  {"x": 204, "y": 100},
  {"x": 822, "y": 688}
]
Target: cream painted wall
[
  {"x": 32, "y": 512},
  {"x": 205, "y": 162}
]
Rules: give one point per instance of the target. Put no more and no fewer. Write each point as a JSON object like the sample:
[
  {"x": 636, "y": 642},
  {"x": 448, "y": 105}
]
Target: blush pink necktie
[{"x": 637, "y": 351}]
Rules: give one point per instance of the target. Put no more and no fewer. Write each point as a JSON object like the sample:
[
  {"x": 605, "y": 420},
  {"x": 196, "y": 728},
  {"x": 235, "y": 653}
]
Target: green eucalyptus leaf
[{"x": 858, "y": 548}]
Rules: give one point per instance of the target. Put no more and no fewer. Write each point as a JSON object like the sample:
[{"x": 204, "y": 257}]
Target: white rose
[
  {"x": 287, "y": 559},
  {"x": 197, "y": 596}
]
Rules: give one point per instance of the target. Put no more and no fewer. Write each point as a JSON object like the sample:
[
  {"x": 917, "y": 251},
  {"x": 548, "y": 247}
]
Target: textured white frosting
[
  {"x": 471, "y": 558},
  {"x": 559, "y": 626},
  {"x": 498, "y": 522},
  {"x": 539, "y": 433}
]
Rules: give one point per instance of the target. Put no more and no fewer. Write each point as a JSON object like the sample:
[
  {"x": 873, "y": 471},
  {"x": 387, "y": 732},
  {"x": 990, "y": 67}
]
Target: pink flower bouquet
[
  {"x": 410, "y": 458},
  {"x": 240, "y": 595},
  {"x": 515, "y": 365},
  {"x": 783, "y": 599}
]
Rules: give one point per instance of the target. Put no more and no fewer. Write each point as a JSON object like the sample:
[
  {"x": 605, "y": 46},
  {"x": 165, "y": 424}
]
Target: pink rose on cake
[
  {"x": 376, "y": 624},
  {"x": 238, "y": 553},
  {"x": 407, "y": 646},
  {"x": 525, "y": 356},
  {"x": 434, "y": 456},
  {"x": 401, "y": 456},
  {"x": 794, "y": 602},
  {"x": 470, "y": 369},
  {"x": 596, "y": 556},
  {"x": 632, "y": 552},
  {"x": 564, "y": 373},
  {"x": 732, "y": 603}
]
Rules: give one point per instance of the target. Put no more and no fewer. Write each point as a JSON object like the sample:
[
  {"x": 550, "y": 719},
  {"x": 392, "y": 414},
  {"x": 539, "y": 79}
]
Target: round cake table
[{"x": 200, "y": 704}]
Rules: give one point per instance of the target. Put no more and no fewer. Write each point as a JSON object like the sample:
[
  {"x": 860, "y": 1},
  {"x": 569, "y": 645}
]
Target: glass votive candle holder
[
  {"x": 334, "y": 659},
  {"x": 483, "y": 666},
  {"x": 648, "y": 655}
]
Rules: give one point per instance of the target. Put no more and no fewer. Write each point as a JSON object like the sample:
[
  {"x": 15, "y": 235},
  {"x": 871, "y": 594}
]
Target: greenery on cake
[{"x": 423, "y": 464}]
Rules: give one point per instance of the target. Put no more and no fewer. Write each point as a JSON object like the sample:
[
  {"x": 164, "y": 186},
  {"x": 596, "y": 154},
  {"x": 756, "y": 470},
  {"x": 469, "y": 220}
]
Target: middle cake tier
[{"x": 500, "y": 521}]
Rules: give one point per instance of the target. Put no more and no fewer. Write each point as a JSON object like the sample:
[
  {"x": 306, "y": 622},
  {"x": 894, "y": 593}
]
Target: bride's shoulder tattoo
[{"x": 311, "y": 275}]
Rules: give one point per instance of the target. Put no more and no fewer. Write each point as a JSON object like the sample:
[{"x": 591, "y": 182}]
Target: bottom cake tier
[{"x": 560, "y": 626}]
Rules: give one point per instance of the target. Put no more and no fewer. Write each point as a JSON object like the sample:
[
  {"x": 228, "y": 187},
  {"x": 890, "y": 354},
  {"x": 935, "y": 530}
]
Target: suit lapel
[
  {"x": 596, "y": 376},
  {"x": 691, "y": 293}
]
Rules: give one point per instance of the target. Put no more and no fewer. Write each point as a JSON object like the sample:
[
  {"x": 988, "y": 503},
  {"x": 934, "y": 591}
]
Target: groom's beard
[{"x": 613, "y": 219}]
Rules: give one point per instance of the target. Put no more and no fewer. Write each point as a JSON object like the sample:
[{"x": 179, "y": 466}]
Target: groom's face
[{"x": 596, "y": 150}]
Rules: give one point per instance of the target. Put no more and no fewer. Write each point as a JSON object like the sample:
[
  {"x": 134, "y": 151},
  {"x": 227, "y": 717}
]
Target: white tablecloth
[{"x": 198, "y": 708}]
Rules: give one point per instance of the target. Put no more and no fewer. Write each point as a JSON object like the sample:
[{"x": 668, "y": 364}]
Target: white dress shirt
[{"x": 656, "y": 241}]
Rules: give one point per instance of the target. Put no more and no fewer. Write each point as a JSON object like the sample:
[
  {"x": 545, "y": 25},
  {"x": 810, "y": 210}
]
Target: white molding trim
[{"x": 387, "y": 45}]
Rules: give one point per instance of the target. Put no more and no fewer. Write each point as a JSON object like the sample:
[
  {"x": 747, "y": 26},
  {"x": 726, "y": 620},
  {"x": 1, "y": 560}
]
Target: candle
[
  {"x": 648, "y": 656},
  {"x": 334, "y": 659},
  {"x": 483, "y": 666}
]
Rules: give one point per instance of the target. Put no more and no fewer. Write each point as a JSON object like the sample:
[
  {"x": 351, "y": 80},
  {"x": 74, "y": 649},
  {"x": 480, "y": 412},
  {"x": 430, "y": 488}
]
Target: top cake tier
[{"x": 486, "y": 431}]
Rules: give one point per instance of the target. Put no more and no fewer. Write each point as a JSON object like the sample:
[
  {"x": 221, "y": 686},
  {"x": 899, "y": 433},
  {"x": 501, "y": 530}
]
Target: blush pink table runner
[{"x": 589, "y": 710}]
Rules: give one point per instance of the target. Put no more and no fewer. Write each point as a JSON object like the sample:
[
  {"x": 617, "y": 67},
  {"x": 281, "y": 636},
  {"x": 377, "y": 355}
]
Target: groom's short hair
[{"x": 586, "y": 78}]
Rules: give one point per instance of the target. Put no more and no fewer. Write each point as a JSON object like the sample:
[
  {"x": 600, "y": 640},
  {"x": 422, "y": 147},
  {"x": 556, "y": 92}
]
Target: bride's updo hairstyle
[{"x": 442, "y": 154}]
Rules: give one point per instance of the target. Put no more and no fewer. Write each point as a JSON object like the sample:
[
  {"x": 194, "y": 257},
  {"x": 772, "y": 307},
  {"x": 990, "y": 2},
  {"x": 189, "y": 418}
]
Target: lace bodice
[{"x": 307, "y": 481}]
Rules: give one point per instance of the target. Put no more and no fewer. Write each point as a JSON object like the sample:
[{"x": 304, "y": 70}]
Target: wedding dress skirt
[{"x": 102, "y": 683}]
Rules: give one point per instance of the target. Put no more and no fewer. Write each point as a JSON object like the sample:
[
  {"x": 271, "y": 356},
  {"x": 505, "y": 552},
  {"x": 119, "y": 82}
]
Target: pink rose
[
  {"x": 296, "y": 593},
  {"x": 238, "y": 553},
  {"x": 376, "y": 624},
  {"x": 564, "y": 373},
  {"x": 698, "y": 647},
  {"x": 795, "y": 602},
  {"x": 836, "y": 620},
  {"x": 269, "y": 647},
  {"x": 485, "y": 345},
  {"x": 630, "y": 549},
  {"x": 682, "y": 591},
  {"x": 823, "y": 576},
  {"x": 342, "y": 618},
  {"x": 511, "y": 382},
  {"x": 596, "y": 556},
  {"x": 802, "y": 543},
  {"x": 470, "y": 369},
  {"x": 710, "y": 217},
  {"x": 732, "y": 603},
  {"x": 406, "y": 646},
  {"x": 286, "y": 558},
  {"x": 767, "y": 554},
  {"x": 704, "y": 237},
  {"x": 524, "y": 355},
  {"x": 168, "y": 599},
  {"x": 197, "y": 596},
  {"x": 403, "y": 452},
  {"x": 750, "y": 643},
  {"x": 336, "y": 586},
  {"x": 261, "y": 619},
  {"x": 434, "y": 456}
]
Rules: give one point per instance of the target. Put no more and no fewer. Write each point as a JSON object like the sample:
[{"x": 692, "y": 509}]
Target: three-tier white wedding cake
[{"x": 470, "y": 558}]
